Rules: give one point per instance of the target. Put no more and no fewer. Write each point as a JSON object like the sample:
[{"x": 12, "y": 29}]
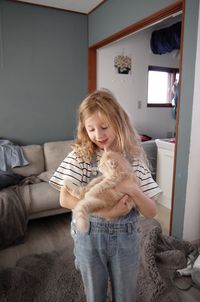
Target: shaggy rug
[{"x": 52, "y": 276}]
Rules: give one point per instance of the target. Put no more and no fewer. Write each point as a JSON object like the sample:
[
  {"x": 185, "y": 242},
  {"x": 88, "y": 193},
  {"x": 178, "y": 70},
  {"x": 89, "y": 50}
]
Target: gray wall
[
  {"x": 43, "y": 72},
  {"x": 117, "y": 15}
]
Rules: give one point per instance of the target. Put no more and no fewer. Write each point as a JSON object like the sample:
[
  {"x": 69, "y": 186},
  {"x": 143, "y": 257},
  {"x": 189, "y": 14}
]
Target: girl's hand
[{"x": 123, "y": 207}]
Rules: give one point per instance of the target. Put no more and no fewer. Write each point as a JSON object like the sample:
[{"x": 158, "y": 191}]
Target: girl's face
[{"x": 99, "y": 130}]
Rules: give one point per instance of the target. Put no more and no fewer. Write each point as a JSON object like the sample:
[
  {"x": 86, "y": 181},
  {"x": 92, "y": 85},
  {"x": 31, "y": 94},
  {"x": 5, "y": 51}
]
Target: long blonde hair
[{"x": 104, "y": 102}]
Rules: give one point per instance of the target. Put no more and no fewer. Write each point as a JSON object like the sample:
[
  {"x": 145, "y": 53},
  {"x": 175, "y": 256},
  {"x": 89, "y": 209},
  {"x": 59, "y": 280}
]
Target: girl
[{"x": 110, "y": 250}]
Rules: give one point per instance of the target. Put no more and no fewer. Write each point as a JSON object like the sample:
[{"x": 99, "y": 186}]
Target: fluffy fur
[{"x": 100, "y": 193}]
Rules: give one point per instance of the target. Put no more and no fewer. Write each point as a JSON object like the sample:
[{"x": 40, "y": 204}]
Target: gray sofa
[
  {"x": 43, "y": 161},
  {"x": 150, "y": 149}
]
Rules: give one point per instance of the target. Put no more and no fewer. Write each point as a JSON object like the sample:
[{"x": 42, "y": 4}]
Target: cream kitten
[{"x": 100, "y": 193}]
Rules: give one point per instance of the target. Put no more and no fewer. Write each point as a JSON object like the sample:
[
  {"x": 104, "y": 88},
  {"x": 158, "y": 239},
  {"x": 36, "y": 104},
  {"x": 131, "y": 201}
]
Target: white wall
[
  {"x": 191, "y": 228},
  {"x": 132, "y": 88}
]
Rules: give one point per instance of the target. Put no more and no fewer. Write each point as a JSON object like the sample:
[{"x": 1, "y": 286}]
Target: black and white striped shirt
[{"x": 80, "y": 173}]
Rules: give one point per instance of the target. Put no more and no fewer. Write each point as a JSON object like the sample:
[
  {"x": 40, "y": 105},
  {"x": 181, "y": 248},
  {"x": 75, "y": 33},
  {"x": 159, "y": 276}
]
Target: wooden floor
[{"x": 48, "y": 234}]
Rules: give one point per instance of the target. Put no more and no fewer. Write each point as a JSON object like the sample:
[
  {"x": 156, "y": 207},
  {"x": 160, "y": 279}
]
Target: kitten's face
[{"x": 112, "y": 162}]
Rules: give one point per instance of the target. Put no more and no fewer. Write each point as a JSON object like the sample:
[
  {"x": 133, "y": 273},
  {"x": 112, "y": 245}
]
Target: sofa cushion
[
  {"x": 46, "y": 175},
  {"x": 43, "y": 197},
  {"x": 35, "y": 156},
  {"x": 55, "y": 152}
]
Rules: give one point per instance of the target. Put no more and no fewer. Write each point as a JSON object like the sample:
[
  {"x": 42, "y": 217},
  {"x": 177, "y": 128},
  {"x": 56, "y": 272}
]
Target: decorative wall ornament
[{"x": 122, "y": 64}]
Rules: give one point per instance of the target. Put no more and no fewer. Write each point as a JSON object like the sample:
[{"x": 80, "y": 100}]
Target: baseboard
[
  {"x": 48, "y": 213},
  {"x": 197, "y": 241}
]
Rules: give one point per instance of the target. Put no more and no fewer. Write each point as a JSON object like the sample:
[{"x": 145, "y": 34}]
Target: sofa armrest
[{"x": 35, "y": 157}]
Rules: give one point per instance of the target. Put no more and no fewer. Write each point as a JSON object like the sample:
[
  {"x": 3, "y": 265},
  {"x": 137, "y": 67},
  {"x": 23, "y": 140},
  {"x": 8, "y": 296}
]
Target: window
[{"x": 160, "y": 86}]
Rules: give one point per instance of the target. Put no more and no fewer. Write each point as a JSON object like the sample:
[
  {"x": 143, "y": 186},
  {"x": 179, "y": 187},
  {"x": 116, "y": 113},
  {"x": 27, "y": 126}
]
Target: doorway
[{"x": 157, "y": 18}]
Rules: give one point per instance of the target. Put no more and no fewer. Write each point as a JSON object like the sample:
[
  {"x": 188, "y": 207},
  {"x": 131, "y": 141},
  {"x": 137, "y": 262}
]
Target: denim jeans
[{"x": 108, "y": 252}]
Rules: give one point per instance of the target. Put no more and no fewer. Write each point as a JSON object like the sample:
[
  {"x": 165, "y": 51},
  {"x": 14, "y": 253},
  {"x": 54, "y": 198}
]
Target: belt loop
[
  {"x": 89, "y": 229},
  {"x": 129, "y": 228}
]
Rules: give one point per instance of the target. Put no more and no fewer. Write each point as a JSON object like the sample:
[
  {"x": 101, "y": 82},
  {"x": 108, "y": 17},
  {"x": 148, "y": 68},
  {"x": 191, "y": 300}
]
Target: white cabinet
[{"x": 164, "y": 170}]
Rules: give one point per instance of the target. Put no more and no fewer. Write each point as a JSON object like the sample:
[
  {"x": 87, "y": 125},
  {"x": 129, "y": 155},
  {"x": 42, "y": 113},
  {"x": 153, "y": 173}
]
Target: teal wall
[
  {"x": 43, "y": 72},
  {"x": 117, "y": 15}
]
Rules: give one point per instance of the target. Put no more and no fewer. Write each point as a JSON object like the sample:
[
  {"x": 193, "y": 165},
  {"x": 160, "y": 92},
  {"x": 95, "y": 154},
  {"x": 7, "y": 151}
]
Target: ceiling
[{"x": 80, "y": 6}]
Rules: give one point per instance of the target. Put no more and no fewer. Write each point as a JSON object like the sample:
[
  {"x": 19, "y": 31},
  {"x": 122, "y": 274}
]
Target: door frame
[{"x": 166, "y": 12}]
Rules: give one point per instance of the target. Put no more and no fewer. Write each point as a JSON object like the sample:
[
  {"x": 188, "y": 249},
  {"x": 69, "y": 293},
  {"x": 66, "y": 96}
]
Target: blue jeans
[{"x": 109, "y": 251}]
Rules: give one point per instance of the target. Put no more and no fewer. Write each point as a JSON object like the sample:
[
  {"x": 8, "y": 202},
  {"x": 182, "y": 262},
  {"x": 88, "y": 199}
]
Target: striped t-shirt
[{"x": 80, "y": 173}]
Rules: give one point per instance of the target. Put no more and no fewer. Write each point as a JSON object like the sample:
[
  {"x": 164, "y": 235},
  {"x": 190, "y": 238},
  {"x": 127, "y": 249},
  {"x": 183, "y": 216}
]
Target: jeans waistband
[
  {"x": 110, "y": 228},
  {"x": 130, "y": 217}
]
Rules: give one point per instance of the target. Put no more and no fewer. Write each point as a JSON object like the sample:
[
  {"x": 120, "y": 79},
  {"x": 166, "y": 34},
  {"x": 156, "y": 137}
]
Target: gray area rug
[{"x": 52, "y": 276}]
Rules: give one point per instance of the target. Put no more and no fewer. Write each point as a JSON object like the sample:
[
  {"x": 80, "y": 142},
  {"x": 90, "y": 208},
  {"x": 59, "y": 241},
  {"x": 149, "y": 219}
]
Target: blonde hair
[{"x": 104, "y": 102}]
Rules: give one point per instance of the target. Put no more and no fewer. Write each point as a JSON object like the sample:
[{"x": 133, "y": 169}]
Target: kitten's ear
[{"x": 112, "y": 163}]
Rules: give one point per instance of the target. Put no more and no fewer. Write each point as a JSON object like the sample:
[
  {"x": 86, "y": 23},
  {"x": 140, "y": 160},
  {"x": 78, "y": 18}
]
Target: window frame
[{"x": 171, "y": 70}]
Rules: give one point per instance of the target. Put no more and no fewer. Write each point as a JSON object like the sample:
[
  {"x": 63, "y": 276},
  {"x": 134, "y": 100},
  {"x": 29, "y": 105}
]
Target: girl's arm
[
  {"x": 123, "y": 207},
  {"x": 66, "y": 199},
  {"x": 146, "y": 205}
]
